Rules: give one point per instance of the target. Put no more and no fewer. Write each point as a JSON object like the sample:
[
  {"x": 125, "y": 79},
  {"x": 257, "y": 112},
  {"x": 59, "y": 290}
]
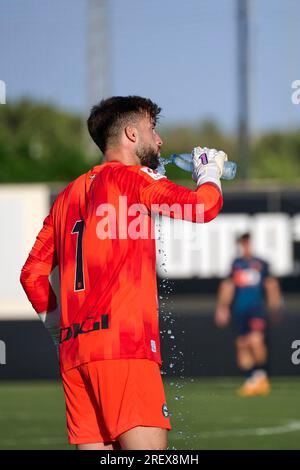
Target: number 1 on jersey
[{"x": 79, "y": 278}]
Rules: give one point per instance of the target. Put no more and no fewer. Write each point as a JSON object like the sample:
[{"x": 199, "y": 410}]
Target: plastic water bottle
[{"x": 185, "y": 162}]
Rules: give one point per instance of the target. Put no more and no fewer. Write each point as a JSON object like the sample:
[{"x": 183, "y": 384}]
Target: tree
[{"x": 40, "y": 143}]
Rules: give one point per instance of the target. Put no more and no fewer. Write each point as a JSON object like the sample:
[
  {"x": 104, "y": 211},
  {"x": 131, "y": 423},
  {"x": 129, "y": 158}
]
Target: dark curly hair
[{"x": 112, "y": 115}]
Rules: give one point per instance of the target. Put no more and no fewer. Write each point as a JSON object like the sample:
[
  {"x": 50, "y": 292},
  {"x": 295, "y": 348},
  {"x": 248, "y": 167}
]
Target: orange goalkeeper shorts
[{"x": 106, "y": 398}]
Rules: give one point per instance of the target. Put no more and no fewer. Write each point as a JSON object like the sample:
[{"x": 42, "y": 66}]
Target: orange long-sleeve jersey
[{"x": 100, "y": 232}]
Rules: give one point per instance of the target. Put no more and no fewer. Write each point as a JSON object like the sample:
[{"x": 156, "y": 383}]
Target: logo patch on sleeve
[
  {"x": 154, "y": 174},
  {"x": 153, "y": 346}
]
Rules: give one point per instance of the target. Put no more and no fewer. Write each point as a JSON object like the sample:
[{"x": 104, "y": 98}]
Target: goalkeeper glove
[
  {"x": 51, "y": 322},
  {"x": 208, "y": 165}
]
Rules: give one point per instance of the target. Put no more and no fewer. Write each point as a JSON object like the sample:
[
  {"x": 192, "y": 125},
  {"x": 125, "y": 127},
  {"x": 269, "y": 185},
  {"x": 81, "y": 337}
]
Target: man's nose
[{"x": 159, "y": 140}]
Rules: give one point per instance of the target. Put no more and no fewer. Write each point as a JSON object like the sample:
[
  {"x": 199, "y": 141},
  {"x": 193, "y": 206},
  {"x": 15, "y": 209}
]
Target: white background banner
[{"x": 22, "y": 211}]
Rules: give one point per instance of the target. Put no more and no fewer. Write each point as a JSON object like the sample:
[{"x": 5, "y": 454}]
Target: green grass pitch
[{"x": 206, "y": 414}]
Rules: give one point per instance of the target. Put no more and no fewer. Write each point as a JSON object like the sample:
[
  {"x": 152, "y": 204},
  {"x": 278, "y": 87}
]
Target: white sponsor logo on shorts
[{"x": 165, "y": 411}]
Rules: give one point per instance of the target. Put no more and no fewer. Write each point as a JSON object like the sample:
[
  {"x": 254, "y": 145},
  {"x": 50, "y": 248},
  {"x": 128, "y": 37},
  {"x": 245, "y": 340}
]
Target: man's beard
[{"x": 148, "y": 156}]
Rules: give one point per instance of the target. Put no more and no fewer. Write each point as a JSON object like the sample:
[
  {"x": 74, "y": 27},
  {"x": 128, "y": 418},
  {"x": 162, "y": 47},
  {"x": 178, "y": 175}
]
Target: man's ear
[{"x": 131, "y": 133}]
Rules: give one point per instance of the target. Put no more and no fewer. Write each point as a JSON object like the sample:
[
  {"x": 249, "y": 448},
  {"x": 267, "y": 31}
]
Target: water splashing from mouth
[{"x": 173, "y": 363}]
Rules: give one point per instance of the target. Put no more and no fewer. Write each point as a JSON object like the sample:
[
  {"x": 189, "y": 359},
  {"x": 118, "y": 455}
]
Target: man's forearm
[
  {"x": 226, "y": 293},
  {"x": 38, "y": 290}
]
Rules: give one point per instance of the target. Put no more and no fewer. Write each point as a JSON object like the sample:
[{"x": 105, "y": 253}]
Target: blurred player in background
[
  {"x": 106, "y": 322},
  {"x": 246, "y": 296}
]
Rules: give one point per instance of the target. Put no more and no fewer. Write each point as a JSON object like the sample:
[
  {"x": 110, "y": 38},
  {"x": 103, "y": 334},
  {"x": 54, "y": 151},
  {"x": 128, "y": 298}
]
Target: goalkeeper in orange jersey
[
  {"x": 246, "y": 295},
  {"x": 100, "y": 234}
]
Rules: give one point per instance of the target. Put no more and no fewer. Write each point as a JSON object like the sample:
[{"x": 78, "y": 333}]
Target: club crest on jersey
[
  {"x": 154, "y": 174},
  {"x": 165, "y": 410}
]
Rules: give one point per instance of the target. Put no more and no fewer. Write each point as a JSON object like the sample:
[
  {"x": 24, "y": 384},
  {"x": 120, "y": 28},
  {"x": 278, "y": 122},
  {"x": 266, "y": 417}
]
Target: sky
[{"x": 181, "y": 54}]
